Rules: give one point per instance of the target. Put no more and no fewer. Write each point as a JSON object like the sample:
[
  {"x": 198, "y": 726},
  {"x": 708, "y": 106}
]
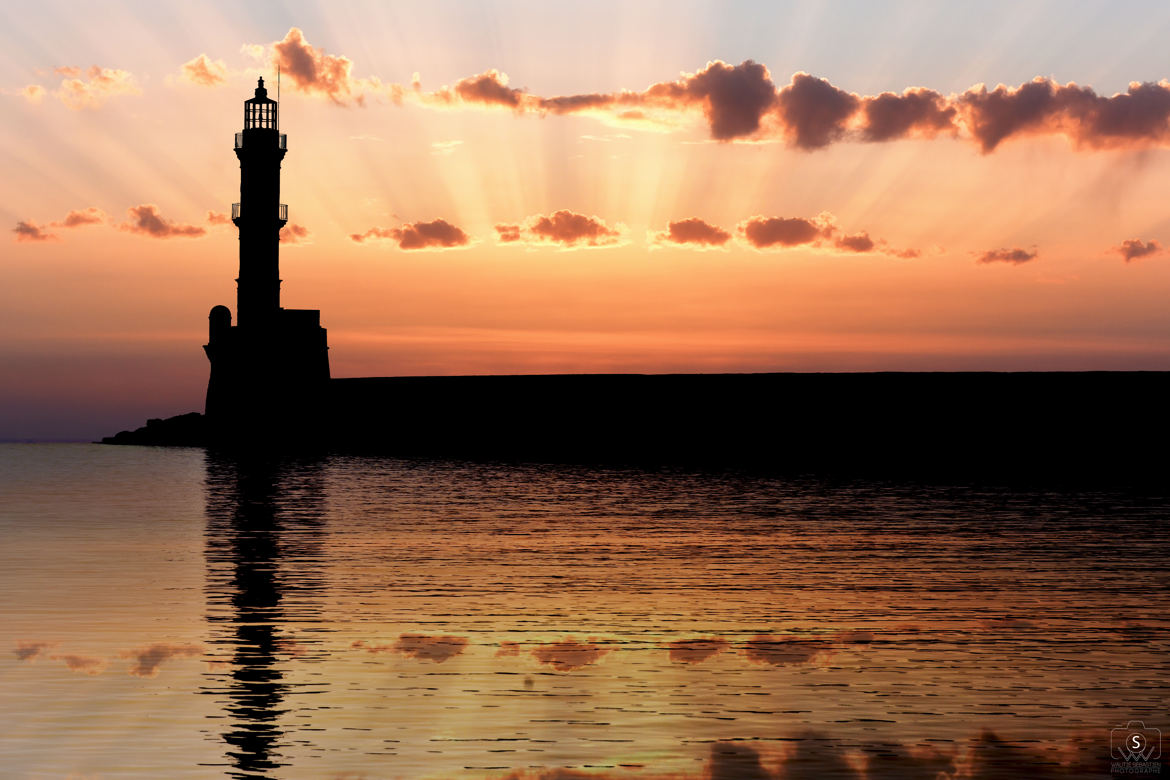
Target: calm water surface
[{"x": 171, "y": 614}]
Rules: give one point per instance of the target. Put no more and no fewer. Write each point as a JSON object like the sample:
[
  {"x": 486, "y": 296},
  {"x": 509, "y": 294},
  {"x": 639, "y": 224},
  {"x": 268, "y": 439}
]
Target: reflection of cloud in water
[
  {"x": 148, "y": 659},
  {"x": 81, "y": 663},
  {"x": 508, "y": 649},
  {"x": 784, "y": 650},
  {"x": 419, "y": 646},
  {"x": 856, "y": 636},
  {"x": 30, "y": 651},
  {"x": 568, "y": 654},
  {"x": 692, "y": 651},
  {"x": 813, "y": 756}
]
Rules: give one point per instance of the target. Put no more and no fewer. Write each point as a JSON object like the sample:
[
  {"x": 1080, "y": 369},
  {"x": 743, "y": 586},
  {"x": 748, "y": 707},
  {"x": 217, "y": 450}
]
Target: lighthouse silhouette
[{"x": 270, "y": 370}]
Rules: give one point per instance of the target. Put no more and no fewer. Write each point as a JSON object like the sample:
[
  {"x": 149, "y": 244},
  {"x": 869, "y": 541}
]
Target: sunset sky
[{"x": 539, "y": 187}]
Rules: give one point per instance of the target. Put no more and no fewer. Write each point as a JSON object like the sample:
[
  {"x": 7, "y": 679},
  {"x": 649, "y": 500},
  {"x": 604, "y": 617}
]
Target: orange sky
[{"x": 963, "y": 228}]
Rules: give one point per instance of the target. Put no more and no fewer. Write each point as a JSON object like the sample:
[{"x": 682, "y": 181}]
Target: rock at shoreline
[{"x": 184, "y": 430}]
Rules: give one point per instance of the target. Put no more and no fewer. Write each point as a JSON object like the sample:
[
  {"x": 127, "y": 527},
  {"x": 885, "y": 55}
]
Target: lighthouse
[{"x": 270, "y": 370}]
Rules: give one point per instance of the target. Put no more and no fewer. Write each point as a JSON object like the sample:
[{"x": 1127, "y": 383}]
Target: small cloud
[
  {"x": 693, "y": 232},
  {"x": 26, "y": 230},
  {"x": 507, "y": 234},
  {"x": 218, "y": 218},
  {"x": 1133, "y": 248},
  {"x": 563, "y": 228},
  {"x": 204, "y": 71},
  {"x": 444, "y": 147},
  {"x": 490, "y": 88},
  {"x": 146, "y": 660},
  {"x": 692, "y": 651},
  {"x": 430, "y": 648},
  {"x": 568, "y": 654},
  {"x": 858, "y": 242},
  {"x": 908, "y": 254},
  {"x": 917, "y": 112},
  {"x": 293, "y": 233},
  {"x": 87, "y": 216},
  {"x": 769, "y": 232},
  {"x": 81, "y": 663},
  {"x": 30, "y": 651},
  {"x": 93, "y": 87},
  {"x": 784, "y": 651},
  {"x": 254, "y": 51},
  {"x": 1013, "y": 256},
  {"x": 436, "y": 234},
  {"x": 145, "y": 220},
  {"x": 33, "y": 93}
]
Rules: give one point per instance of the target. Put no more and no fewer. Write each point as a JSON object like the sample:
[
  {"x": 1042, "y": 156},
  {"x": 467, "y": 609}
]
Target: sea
[{"x": 173, "y": 613}]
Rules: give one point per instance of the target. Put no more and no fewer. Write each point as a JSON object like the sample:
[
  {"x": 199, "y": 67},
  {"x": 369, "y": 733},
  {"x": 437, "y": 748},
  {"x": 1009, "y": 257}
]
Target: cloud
[
  {"x": 693, "y": 232},
  {"x": 145, "y": 220},
  {"x": 1138, "y": 117},
  {"x": 917, "y": 112},
  {"x": 292, "y": 233},
  {"x": 692, "y": 651},
  {"x": 81, "y": 663},
  {"x": 314, "y": 72},
  {"x": 733, "y": 98},
  {"x": 568, "y": 654},
  {"x": 766, "y": 232},
  {"x": 33, "y": 93},
  {"x": 742, "y": 102},
  {"x": 218, "y": 218},
  {"x": 26, "y": 230},
  {"x": 430, "y": 648},
  {"x": 88, "y": 89},
  {"x": 146, "y": 660},
  {"x": 1014, "y": 256},
  {"x": 784, "y": 651},
  {"x": 87, "y": 216},
  {"x": 436, "y": 234},
  {"x": 444, "y": 148},
  {"x": 1133, "y": 248},
  {"x": 814, "y": 112},
  {"x": 858, "y": 242},
  {"x": 507, "y": 234},
  {"x": 490, "y": 88},
  {"x": 204, "y": 71},
  {"x": 562, "y": 228},
  {"x": 30, "y": 651}
]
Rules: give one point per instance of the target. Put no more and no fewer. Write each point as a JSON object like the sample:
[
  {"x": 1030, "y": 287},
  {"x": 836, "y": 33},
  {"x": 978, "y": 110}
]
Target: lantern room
[{"x": 260, "y": 111}]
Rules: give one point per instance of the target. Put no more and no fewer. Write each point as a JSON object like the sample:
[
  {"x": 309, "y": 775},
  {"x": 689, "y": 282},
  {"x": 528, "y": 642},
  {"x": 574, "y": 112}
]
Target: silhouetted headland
[{"x": 270, "y": 388}]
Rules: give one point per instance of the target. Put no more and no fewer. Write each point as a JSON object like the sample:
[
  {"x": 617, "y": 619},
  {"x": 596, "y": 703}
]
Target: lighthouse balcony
[
  {"x": 281, "y": 213},
  {"x": 281, "y": 140}
]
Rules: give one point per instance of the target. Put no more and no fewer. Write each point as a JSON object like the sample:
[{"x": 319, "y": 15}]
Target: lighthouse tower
[
  {"x": 259, "y": 215},
  {"x": 270, "y": 370}
]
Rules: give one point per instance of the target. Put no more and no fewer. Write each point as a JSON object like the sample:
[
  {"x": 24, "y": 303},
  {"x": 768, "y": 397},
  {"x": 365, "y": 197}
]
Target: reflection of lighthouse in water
[
  {"x": 264, "y": 534},
  {"x": 272, "y": 366}
]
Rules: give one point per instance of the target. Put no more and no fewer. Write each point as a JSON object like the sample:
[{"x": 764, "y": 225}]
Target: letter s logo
[{"x": 1135, "y": 742}]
